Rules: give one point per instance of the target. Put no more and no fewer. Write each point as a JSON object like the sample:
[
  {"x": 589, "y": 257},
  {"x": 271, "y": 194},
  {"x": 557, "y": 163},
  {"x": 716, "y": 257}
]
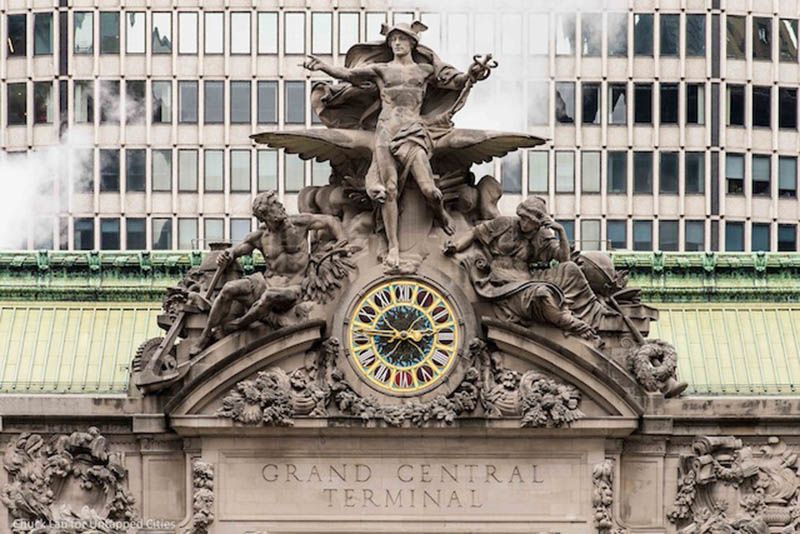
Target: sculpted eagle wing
[
  {"x": 333, "y": 144},
  {"x": 460, "y": 148}
]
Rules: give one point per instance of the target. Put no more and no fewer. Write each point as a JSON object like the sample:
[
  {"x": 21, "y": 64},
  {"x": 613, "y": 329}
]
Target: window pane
[
  {"x": 591, "y": 34},
  {"x": 617, "y": 235},
  {"x": 83, "y": 234},
  {"x": 134, "y": 33},
  {"x": 787, "y": 107},
  {"x": 374, "y": 21},
  {"x": 668, "y": 175},
  {"x": 761, "y": 106},
  {"x": 590, "y": 234},
  {"x": 643, "y": 103},
  {"x": 591, "y": 103},
  {"x": 617, "y": 34},
  {"x": 569, "y": 228},
  {"x": 735, "y": 105},
  {"x": 187, "y": 33},
  {"x": 670, "y": 35},
  {"x": 109, "y": 32},
  {"x": 109, "y": 171},
  {"x": 322, "y": 33},
  {"x": 565, "y": 172},
  {"x": 83, "y": 34},
  {"x": 213, "y": 230},
  {"x": 134, "y": 101},
  {"x": 83, "y": 93},
  {"x": 695, "y": 236},
  {"x": 565, "y": 34},
  {"x": 214, "y": 102},
  {"x": 643, "y": 34},
  {"x": 734, "y": 237},
  {"x": 214, "y": 28},
  {"x": 187, "y": 234},
  {"x": 695, "y": 103},
  {"x": 267, "y": 170},
  {"x": 348, "y": 31},
  {"x": 788, "y": 39},
  {"x": 109, "y": 234},
  {"x": 294, "y": 33},
  {"x": 295, "y": 112},
  {"x": 735, "y": 37},
  {"x": 162, "y": 101},
  {"x": 294, "y": 170},
  {"x": 240, "y": 102},
  {"x": 669, "y": 103},
  {"x": 787, "y": 238},
  {"x": 787, "y": 176},
  {"x": 433, "y": 35},
  {"x": 267, "y": 32},
  {"x": 162, "y": 170},
  {"x": 761, "y": 175},
  {"x": 642, "y": 235},
  {"x": 267, "y": 102},
  {"x": 162, "y": 33},
  {"x": 187, "y": 102},
  {"x": 43, "y": 103},
  {"x": 734, "y": 173},
  {"x": 135, "y": 169},
  {"x": 240, "y": 170},
  {"x": 617, "y": 172},
  {"x": 538, "y": 103},
  {"x": 539, "y": 41},
  {"x": 565, "y": 102},
  {"x": 109, "y": 101},
  {"x": 17, "y": 35},
  {"x": 187, "y": 170},
  {"x": 668, "y": 235},
  {"x": 239, "y": 229},
  {"x": 590, "y": 172},
  {"x": 695, "y": 35},
  {"x": 42, "y": 34},
  {"x": 214, "y": 170},
  {"x": 320, "y": 172},
  {"x": 511, "y": 173},
  {"x": 643, "y": 173},
  {"x": 135, "y": 234},
  {"x": 759, "y": 238},
  {"x": 83, "y": 168},
  {"x": 538, "y": 172},
  {"x": 240, "y": 39},
  {"x": 617, "y": 104},
  {"x": 695, "y": 172},
  {"x": 162, "y": 234},
  {"x": 762, "y": 38}
]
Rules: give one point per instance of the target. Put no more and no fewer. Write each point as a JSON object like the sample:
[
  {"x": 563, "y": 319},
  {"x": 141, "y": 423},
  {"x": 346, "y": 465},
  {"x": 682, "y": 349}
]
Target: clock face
[{"x": 403, "y": 336}]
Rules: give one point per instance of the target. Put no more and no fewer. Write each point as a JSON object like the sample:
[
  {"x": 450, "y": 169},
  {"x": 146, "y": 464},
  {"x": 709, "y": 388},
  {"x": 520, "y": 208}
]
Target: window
[
  {"x": 135, "y": 234},
  {"x": 134, "y": 101},
  {"x": 267, "y": 102},
  {"x": 162, "y": 234},
  {"x": 695, "y": 103},
  {"x": 539, "y": 41},
  {"x": 695, "y": 236},
  {"x": 187, "y": 234},
  {"x": 787, "y": 238},
  {"x": 83, "y": 93},
  {"x": 162, "y": 33},
  {"x": 239, "y": 229},
  {"x": 109, "y": 171},
  {"x": 17, "y": 35},
  {"x": 668, "y": 173},
  {"x": 162, "y": 101},
  {"x": 761, "y": 175},
  {"x": 617, "y": 234},
  {"x": 109, "y": 234},
  {"x": 213, "y": 230},
  {"x": 240, "y": 38},
  {"x": 669, "y": 103},
  {"x": 569, "y": 228},
  {"x": 670, "y": 35},
  {"x": 643, "y": 34},
  {"x": 267, "y": 170},
  {"x": 162, "y": 170},
  {"x": 109, "y": 34},
  {"x": 787, "y": 107},
  {"x": 759, "y": 238},
  {"x": 761, "y": 106},
  {"x": 321, "y": 33},
  {"x": 787, "y": 176},
  {"x": 787, "y": 35},
  {"x": 374, "y": 21},
  {"x": 83, "y": 234},
  {"x": 134, "y": 32},
  {"x": 294, "y": 34},
  {"x": 668, "y": 236},
  {"x": 590, "y": 234},
  {"x": 294, "y": 173},
  {"x": 591, "y": 103},
  {"x": 643, "y": 173},
  {"x": 240, "y": 171},
  {"x": 42, "y": 34},
  {"x": 617, "y": 172},
  {"x": 214, "y": 33},
  {"x": 565, "y": 172},
  {"x": 214, "y": 170},
  {"x": 734, "y": 173},
  {"x": 538, "y": 173},
  {"x": 135, "y": 169},
  {"x": 695, "y": 35},
  {"x": 735, "y": 37},
  {"x": 187, "y": 32},
  {"x": 762, "y": 38},
  {"x": 295, "y": 94},
  {"x": 538, "y": 103},
  {"x": 320, "y": 172},
  {"x": 348, "y": 31},
  {"x": 591, "y": 34},
  {"x": 213, "y": 102},
  {"x": 267, "y": 32},
  {"x": 643, "y": 103},
  {"x": 83, "y": 34},
  {"x": 695, "y": 175},
  {"x": 590, "y": 172},
  {"x": 617, "y": 34},
  {"x": 565, "y": 102},
  {"x": 187, "y": 170},
  {"x": 565, "y": 34},
  {"x": 240, "y": 102},
  {"x": 187, "y": 102},
  {"x": 109, "y": 101},
  {"x": 511, "y": 173},
  {"x": 642, "y": 235},
  {"x": 43, "y": 104},
  {"x": 83, "y": 165},
  {"x": 736, "y": 105},
  {"x": 617, "y": 103}
]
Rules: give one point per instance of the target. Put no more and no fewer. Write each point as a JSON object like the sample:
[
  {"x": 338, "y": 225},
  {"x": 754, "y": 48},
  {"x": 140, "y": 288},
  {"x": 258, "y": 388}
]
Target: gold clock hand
[{"x": 380, "y": 333}]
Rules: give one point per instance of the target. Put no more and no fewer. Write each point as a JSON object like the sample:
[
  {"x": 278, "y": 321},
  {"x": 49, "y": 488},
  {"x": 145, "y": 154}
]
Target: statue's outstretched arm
[
  {"x": 341, "y": 73},
  {"x": 460, "y": 244},
  {"x": 322, "y": 222},
  {"x": 247, "y": 246}
]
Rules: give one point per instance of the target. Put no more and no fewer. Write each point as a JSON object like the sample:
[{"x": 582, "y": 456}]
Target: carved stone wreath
[{"x": 71, "y": 479}]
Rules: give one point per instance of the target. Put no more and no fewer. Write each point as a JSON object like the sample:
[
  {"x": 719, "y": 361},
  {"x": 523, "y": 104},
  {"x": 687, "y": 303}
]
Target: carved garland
[
  {"x": 203, "y": 497},
  {"x": 603, "y": 498}
]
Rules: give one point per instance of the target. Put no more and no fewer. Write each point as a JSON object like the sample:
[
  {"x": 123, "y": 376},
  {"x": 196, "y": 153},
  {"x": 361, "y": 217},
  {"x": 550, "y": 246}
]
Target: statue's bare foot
[{"x": 392, "y": 259}]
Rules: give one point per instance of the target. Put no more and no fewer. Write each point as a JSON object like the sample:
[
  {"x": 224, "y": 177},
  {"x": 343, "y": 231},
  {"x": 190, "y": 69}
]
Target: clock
[{"x": 403, "y": 336}]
